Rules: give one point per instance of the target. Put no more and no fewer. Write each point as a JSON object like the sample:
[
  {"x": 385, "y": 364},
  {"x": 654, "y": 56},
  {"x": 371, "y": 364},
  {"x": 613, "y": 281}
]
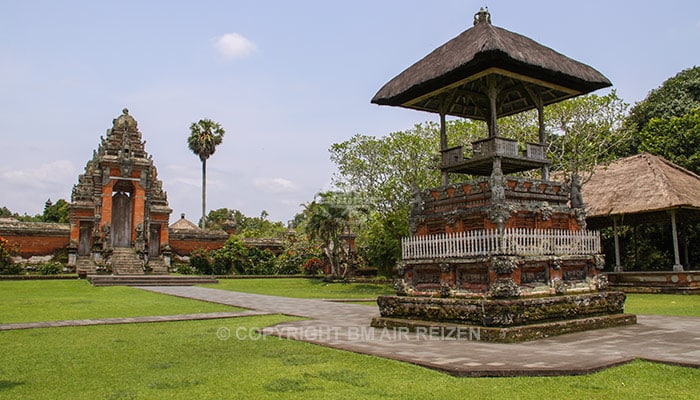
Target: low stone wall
[
  {"x": 36, "y": 239},
  {"x": 656, "y": 282}
]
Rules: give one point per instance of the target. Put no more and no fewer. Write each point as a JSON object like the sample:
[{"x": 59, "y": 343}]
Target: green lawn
[
  {"x": 187, "y": 360},
  {"x": 33, "y": 301},
  {"x": 304, "y": 288},
  {"x": 663, "y": 304}
]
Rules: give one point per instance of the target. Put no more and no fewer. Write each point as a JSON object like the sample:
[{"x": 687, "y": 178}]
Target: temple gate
[{"x": 119, "y": 212}]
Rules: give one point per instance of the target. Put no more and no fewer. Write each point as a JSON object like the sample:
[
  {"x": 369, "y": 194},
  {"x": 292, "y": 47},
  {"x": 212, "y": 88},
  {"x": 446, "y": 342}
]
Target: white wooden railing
[{"x": 516, "y": 241}]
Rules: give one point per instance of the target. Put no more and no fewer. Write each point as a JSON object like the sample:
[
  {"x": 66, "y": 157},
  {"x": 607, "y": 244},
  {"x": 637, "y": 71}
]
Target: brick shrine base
[{"x": 504, "y": 320}]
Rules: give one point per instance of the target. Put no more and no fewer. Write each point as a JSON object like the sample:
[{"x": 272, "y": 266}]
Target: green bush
[
  {"x": 50, "y": 268},
  {"x": 7, "y": 250},
  {"x": 185, "y": 269},
  {"x": 200, "y": 261}
]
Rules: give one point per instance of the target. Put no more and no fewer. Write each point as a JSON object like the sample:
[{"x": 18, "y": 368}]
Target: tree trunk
[{"x": 204, "y": 194}]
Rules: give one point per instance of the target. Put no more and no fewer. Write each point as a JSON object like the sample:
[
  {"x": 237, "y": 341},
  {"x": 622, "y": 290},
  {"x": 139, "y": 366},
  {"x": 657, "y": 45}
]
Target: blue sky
[{"x": 286, "y": 79}]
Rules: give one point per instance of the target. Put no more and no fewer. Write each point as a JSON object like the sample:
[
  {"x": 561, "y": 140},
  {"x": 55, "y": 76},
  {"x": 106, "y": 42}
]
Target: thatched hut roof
[
  {"x": 183, "y": 224},
  {"x": 456, "y": 74},
  {"x": 641, "y": 188}
]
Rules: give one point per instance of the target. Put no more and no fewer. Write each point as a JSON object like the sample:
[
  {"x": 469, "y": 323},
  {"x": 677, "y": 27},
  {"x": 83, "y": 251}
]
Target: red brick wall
[{"x": 36, "y": 239}]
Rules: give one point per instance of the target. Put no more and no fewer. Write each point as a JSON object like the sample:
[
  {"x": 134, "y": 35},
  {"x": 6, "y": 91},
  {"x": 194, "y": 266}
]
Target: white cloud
[
  {"x": 275, "y": 185},
  {"x": 234, "y": 45},
  {"x": 40, "y": 177}
]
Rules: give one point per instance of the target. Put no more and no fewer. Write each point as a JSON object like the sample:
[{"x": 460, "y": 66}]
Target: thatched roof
[
  {"x": 457, "y": 72},
  {"x": 640, "y": 187},
  {"x": 183, "y": 224}
]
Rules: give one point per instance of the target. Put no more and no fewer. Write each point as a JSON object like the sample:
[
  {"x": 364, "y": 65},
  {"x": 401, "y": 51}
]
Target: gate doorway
[
  {"x": 154, "y": 241},
  {"x": 85, "y": 238},
  {"x": 121, "y": 219}
]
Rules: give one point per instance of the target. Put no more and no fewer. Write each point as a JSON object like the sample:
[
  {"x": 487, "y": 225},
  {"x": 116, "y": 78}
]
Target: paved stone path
[
  {"x": 129, "y": 320},
  {"x": 673, "y": 340}
]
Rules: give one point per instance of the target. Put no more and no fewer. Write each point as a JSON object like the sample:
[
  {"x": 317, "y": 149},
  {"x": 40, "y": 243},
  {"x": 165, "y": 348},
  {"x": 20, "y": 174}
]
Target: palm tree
[
  {"x": 326, "y": 221},
  {"x": 206, "y": 135}
]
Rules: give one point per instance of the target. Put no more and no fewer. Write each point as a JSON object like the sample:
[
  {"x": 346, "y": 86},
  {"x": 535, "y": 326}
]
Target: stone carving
[
  {"x": 504, "y": 287},
  {"x": 124, "y": 122},
  {"x": 545, "y": 211},
  {"x": 503, "y": 265},
  {"x": 417, "y": 202},
  {"x": 445, "y": 267},
  {"x": 558, "y": 286},
  {"x": 499, "y": 214},
  {"x": 575, "y": 195},
  {"x": 106, "y": 230},
  {"x": 580, "y": 215},
  {"x": 599, "y": 261},
  {"x": 497, "y": 182},
  {"x": 451, "y": 218},
  {"x": 557, "y": 263},
  {"x": 600, "y": 281},
  {"x": 445, "y": 290},
  {"x": 402, "y": 288}
]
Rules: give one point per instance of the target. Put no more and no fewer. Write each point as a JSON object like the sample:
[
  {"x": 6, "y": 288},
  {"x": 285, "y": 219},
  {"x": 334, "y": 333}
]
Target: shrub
[
  {"x": 313, "y": 266},
  {"x": 200, "y": 261},
  {"x": 185, "y": 269},
  {"x": 7, "y": 250},
  {"x": 50, "y": 268}
]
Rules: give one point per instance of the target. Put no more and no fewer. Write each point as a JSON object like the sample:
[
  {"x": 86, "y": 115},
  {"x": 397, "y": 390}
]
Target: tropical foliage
[{"x": 327, "y": 220}]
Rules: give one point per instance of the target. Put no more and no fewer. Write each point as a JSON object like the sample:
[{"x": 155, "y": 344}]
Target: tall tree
[
  {"x": 205, "y": 136},
  {"x": 676, "y": 138},
  {"x": 674, "y": 98},
  {"x": 584, "y": 132},
  {"x": 386, "y": 169}
]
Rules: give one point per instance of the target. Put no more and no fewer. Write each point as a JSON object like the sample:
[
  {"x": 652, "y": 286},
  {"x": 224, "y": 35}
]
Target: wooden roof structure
[
  {"x": 641, "y": 188},
  {"x": 454, "y": 78},
  {"x": 486, "y": 73}
]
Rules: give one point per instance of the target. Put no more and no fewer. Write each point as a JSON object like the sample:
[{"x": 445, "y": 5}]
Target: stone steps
[
  {"x": 157, "y": 267},
  {"x": 126, "y": 262},
  {"x": 85, "y": 265},
  {"x": 148, "y": 280}
]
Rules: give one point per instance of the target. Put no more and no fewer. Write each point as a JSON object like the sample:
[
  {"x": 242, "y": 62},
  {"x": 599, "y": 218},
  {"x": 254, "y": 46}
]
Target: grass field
[
  {"x": 34, "y": 301},
  {"x": 661, "y": 304},
  {"x": 188, "y": 360},
  {"x": 304, "y": 288}
]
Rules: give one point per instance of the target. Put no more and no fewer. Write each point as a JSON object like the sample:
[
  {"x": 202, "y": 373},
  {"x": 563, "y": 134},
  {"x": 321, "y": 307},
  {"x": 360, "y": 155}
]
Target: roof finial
[{"x": 482, "y": 16}]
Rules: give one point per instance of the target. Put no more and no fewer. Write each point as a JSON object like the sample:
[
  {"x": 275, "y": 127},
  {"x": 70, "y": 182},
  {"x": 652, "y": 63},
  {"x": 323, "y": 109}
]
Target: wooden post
[
  {"x": 443, "y": 146},
  {"x": 492, "y": 93},
  {"x": 676, "y": 254},
  {"x": 543, "y": 135},
  {"x": 618, "y": 264}
]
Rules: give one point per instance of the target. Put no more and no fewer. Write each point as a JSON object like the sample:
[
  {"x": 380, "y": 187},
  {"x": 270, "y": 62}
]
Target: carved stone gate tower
[{"x": 119, "y": 212}]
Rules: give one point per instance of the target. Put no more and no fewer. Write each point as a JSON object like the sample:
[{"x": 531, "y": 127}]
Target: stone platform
[
  {"x": 683, "y": 282},
  {"x": 505, "y": 320},
  {"x": 149, "y": 280}
]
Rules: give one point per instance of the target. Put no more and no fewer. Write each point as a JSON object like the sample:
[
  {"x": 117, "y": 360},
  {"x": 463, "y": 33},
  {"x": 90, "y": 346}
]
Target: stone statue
[{"x": 576, "y": 196}]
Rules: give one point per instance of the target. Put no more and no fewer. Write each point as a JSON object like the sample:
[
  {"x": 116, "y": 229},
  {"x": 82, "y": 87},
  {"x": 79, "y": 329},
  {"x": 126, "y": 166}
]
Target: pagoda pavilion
[{"x": 498, "y": 251}]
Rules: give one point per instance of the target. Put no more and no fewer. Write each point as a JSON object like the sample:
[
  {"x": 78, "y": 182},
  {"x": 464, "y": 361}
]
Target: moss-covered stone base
[
  {"x": 502, "y": 312},
  {"x": 505, "y": 335}
]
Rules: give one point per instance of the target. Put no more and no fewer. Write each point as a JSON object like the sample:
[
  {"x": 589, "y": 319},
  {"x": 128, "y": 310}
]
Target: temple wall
[
  {"x": 36, "y": 238},
  {"x": 183, "y": 243}
]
